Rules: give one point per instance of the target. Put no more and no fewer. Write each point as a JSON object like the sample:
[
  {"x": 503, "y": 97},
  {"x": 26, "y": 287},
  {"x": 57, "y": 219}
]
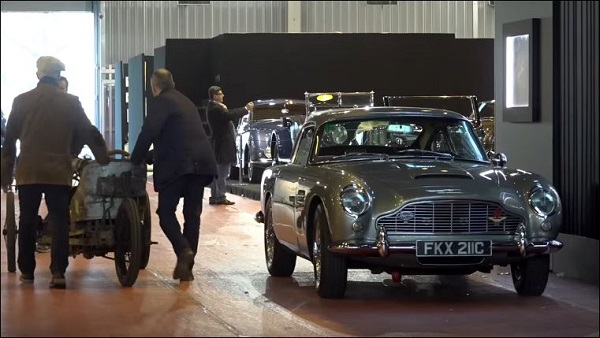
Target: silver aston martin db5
[{"x": 407, "y": 191}]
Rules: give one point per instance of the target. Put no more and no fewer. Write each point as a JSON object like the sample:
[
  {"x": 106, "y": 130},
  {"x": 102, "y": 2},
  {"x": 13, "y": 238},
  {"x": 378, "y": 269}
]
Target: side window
[{"x": 304, "y": 145}]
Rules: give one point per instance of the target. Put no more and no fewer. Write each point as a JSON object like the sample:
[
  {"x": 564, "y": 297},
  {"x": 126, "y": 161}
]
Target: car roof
[
  {"x": 323, "y": 116},
  {"x": 277, "y": 102}
]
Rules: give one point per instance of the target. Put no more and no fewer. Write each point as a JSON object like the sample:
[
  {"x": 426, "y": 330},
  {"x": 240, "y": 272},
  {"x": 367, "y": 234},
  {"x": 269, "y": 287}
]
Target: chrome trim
[
  {"x": 383, "y": 249},
  {"x": 382, "y": 243},
  {"x": 450, "y": 216}
]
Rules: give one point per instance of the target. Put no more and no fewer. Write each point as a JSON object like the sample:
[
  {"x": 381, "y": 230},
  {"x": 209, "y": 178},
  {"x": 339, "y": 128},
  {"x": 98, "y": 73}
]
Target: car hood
[{"x": 396, "y": 181}]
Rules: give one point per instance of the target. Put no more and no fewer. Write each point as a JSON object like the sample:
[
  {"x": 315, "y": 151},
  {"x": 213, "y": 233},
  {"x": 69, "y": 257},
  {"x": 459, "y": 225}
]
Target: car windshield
[
  {"x": 277, "y": 111},
  {"x": 399, "y": 137}
]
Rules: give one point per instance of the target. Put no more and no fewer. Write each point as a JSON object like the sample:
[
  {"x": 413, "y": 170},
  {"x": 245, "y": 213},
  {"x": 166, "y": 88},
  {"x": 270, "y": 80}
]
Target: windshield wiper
[
  {"x": 423, "y": 152},
  {"x": 359, "y": 154}
]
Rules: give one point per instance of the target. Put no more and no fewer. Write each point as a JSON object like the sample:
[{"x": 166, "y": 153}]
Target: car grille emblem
[
  {"x": 405, "y": 216},
  {"x": 497, "y": 217}
]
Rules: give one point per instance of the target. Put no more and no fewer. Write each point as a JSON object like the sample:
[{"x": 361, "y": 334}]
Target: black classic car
[
  {"x": 255, "y": 131},
  {"x": 408, "y": 191},
  {"x": 282, "y": 141},
  {"x": 466, "y": 105}
]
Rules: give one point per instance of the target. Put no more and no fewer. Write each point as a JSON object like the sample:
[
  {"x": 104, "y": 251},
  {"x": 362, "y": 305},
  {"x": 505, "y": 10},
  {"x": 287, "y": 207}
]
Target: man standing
[
  {"x": 183, "y": 165},
  {"x": 221, "y": 120},
  {"x": 45, "y": 120}
]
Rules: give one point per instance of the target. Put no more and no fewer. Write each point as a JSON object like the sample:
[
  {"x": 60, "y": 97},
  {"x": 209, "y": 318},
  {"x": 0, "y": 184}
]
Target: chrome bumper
[{"x": 382, "y": 247}]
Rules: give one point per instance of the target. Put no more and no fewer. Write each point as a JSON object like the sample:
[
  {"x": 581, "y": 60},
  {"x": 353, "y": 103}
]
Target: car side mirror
[{"x": 498, "y": 159}]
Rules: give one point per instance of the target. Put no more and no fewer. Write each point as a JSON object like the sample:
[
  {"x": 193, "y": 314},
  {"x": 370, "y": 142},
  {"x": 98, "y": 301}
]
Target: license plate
[{"x": 453, "y": 248}]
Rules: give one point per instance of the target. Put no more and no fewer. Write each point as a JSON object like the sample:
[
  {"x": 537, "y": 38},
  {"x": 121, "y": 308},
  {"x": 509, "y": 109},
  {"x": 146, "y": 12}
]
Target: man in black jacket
[
  {"x": 221, "y": 120},
  {"x": 183, "y": 165}
]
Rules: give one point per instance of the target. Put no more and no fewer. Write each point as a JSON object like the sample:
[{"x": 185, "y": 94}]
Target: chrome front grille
[{"x": 450, "y": 217}]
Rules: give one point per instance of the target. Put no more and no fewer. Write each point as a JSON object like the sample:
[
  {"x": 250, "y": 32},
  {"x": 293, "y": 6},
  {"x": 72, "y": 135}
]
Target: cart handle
[{"x": 118, "y": 152}]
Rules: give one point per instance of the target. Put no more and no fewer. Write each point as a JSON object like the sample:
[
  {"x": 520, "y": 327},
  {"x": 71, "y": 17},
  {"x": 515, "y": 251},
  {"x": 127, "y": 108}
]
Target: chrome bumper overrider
[
  {"x": 382, "y": 247},
  {"x": 259, "y": 217}
]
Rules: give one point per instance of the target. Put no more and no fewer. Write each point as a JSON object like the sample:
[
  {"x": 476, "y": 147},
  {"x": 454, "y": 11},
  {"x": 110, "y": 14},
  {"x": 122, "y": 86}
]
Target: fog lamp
[{"x": 546, "y": 226}]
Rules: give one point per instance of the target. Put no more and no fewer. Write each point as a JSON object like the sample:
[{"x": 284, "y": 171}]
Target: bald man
[{"x": 183, "y": 165}]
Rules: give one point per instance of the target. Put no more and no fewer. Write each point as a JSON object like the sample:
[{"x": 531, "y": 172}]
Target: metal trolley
[{"x": 109, "y": 213}]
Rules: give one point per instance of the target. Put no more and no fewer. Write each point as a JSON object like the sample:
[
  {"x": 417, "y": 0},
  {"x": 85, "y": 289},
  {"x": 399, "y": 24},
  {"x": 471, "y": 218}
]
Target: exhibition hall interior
[{"x": 300, "y": 168}]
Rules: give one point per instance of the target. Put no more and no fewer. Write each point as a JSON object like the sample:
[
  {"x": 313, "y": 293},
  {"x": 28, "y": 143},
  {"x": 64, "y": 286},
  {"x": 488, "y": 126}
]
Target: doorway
[{"x": 69, "y": 36}]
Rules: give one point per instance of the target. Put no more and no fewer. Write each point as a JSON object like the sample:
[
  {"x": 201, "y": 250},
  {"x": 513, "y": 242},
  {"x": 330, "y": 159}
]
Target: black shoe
[
  {"x": 188, "y": 277},
  {"x": 184, "y": 262},
  {"x": 58, "y": 281},
  {"x": 26, "y": 278},
  {"x": 227, "y": 202}
]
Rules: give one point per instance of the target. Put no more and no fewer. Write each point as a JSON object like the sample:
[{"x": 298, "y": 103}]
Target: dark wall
[
  {"x": 577, "y": 109},
  {"x": 190, "y": 63},
  {"x": 278, "y": 65},
  {"x": 260, "y": 66}
]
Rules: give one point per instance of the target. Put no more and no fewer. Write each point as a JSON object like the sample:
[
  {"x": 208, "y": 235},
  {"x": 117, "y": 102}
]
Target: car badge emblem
[
  {"x": 497, "y": 217},
  {"x": 405, "y": 216}
]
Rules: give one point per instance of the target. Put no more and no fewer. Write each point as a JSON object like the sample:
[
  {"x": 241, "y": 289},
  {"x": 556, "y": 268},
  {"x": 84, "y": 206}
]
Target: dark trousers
[
  {"x": 191, "y": 188},
  {"x": 218, "y": 187},
  {"x": 57, "y": 202}
]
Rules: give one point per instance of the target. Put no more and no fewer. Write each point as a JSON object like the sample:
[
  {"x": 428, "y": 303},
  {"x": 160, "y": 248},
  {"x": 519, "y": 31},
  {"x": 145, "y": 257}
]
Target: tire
[
  {"x": 530, "y": 276},
  {"x": 10, "y": 233},
  {"x": 144, "y": 208},
  {"x": 281, "y": 262},
  {"x": 254, "y": 173},
  {"x": 331, "y": 271},
  {"x": 128, "y": 242}
]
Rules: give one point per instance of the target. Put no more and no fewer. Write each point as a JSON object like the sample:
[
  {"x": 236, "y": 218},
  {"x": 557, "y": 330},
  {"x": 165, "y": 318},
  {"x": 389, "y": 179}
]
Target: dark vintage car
[
  {"x": 256, "y": 130},
  {"x": 282, "y": 142},
  {"x": 407, "y": 191},
  {"x": 466, "y": 105},
  {"x": 486, "y": 111}
]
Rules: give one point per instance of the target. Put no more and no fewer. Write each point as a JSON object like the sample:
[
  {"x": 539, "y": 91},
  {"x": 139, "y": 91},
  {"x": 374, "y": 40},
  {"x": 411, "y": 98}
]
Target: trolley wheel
[
  {"x": 10, "y": 232},
  {"x": 128, "y": 242},
  {"x": 146, "y": 231}
]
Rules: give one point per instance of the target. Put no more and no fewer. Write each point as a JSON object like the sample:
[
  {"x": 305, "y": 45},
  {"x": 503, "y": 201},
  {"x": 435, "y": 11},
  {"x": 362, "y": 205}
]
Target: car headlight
[
  {"x": 542, "y": 201},
  {"x": 267, "y": 152},
  {"x": 355, "y": 201}
]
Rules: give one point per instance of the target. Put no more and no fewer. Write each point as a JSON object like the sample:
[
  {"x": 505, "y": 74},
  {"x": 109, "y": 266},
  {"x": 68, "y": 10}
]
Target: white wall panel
[
  {"x": 404, "y": 17},
  {"x": 133, "y": 27}
]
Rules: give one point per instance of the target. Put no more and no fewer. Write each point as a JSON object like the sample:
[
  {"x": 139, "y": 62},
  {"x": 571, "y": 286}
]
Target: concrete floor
[{"x": 233, "y": 295}]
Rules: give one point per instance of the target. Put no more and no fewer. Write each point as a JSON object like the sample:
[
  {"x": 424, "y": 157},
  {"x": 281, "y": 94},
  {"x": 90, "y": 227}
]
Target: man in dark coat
[
  {"x": 46, "y": 120},
  {"x": 183, "y": 165},
  {"x": 221, "y": 120}
]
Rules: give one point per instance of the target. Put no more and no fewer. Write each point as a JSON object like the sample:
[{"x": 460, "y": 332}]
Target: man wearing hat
[{"x": 46, "y": 120}]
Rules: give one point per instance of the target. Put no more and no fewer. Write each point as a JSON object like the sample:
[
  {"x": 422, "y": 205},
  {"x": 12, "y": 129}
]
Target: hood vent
[{"x": 439, "y": 175}]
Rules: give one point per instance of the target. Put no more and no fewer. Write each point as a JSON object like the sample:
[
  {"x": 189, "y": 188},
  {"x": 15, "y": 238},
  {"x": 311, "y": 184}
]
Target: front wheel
[
  {"x": 128, "y": 242},
  {"x": 331, "y": 271},
  {"x": 530, "y": 275},
  {"x": 10, "y": 232}
]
